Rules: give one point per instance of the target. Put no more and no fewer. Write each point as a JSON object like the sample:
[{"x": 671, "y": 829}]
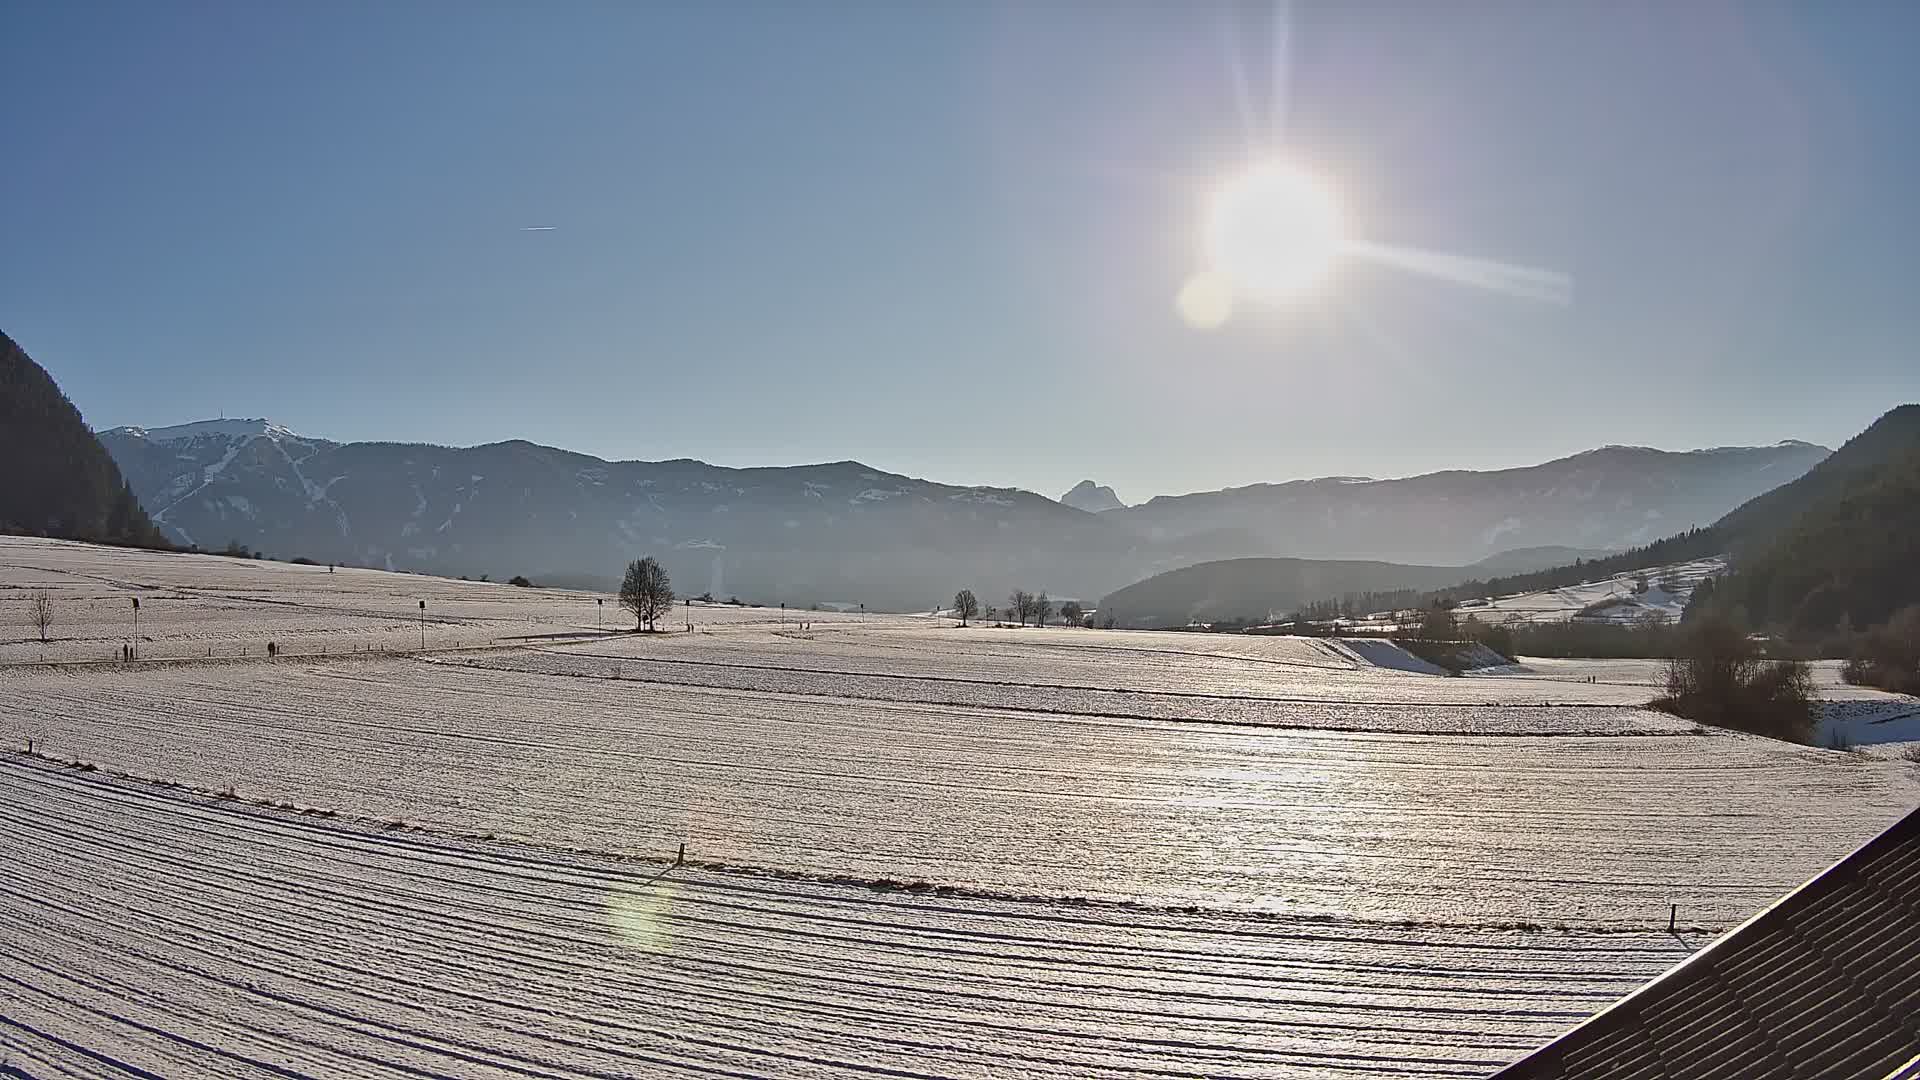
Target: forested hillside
[
  {"x": 1260, "y": 589},
  {"x": 1692, "y": 544},
  {"x": 1849, "y": 560},
  {"x": 1760, "y": 520},
  {"x": 1836, "y": 549},
  {"x": 59, "y": 481}
]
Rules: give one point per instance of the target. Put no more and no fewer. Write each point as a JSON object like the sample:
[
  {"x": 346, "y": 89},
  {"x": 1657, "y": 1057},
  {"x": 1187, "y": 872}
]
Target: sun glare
[{"x": 1275, "y": 232}]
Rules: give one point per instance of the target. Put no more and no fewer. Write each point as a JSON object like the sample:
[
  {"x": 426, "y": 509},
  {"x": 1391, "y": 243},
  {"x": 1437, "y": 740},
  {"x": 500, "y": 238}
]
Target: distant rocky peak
[{"x": 1091, "y": 497}]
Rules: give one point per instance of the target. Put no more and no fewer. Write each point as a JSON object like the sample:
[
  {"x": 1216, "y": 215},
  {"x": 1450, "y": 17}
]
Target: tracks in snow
[{"x": 147, "y": 932}]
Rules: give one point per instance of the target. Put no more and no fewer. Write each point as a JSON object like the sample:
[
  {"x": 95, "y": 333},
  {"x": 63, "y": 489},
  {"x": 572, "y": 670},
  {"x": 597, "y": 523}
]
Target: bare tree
[
  {"x": 646, "y": 591},
  {"x": 965, "y": 605},
  {"x": 1071, "y": 613},
  {"x": 40, "y": 614},
  {"x": 1042, "y": 607},
  {"x": 1020, "y": 605}
]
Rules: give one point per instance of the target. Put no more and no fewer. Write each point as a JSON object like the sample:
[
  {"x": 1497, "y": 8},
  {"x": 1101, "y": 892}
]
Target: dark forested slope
[{"x": 57, "y": 479}]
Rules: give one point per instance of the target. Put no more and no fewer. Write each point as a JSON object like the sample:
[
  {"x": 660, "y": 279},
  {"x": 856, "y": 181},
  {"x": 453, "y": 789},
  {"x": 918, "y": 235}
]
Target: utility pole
[
  {"x": 600, "y": 606},
  {"x": 423, "y": 626}
]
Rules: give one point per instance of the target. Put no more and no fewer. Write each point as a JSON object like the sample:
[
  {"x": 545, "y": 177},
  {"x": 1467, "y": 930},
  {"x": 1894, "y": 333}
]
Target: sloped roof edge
[{"x": 1548, "y": 1060}]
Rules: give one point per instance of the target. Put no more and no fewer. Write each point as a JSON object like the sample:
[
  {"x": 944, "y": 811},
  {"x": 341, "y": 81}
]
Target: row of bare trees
[{"x": 1021, "y": 605}]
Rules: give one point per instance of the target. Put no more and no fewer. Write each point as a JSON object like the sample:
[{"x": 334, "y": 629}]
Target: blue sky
[{"x": 945, "y": 238}]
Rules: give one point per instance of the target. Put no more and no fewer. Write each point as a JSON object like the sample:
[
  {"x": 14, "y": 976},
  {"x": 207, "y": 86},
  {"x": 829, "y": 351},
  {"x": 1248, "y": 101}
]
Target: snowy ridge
[{"x": 210, "y": 429}]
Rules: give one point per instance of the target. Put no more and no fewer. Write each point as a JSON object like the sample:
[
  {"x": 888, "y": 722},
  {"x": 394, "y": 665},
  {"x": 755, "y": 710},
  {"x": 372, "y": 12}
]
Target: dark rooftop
[{"x": 1824, "y": 984}]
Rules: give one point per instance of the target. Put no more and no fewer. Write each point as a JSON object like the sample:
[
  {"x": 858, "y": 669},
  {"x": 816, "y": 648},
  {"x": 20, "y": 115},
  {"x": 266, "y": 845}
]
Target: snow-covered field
[
  {"x": 159, "y": 934},
  {"x": 912, "y": 848},
  {"x": 214, "y": 606}
]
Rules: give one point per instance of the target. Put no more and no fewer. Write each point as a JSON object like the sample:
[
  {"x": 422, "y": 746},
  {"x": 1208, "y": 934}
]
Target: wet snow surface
[{"x": 913, "y": 850}]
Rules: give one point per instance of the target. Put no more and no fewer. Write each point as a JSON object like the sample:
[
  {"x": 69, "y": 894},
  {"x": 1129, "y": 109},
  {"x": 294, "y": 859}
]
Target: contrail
[{"x": 538, "y": 228}]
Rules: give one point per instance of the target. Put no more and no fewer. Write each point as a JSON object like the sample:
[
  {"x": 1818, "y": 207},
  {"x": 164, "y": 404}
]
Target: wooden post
[{"x": 1673, "y": 915}]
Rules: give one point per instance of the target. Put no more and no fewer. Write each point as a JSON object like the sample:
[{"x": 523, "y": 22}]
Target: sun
[{"x": 1275, "y": 231}]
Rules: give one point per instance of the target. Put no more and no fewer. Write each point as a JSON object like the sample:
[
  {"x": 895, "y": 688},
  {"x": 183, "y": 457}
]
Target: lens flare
[
  {"x": 638, "y": 914},
  {"x": 1205, "y": 302}
]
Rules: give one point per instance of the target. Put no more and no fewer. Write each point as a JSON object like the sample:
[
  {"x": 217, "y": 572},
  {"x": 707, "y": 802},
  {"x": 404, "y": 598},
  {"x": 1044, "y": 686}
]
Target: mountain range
[
  {"x": 848, "y": 532},
  {"x": 1612, "y": 497},
  {"x": 1816, "y": 559}
]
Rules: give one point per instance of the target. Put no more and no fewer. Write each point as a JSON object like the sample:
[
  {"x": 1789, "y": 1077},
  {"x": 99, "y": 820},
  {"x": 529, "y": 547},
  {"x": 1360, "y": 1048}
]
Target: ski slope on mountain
[{"x": 1611, "y": 599}]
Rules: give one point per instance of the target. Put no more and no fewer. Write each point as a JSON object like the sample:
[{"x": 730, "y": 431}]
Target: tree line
[{"x": 1021, "y": 605}]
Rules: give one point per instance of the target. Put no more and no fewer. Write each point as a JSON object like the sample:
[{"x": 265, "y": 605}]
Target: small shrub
[
  {"x": 519, "y": 581},
  {"x": 1888, "y": 656},
  {"x": 1718, "y": 677}
]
